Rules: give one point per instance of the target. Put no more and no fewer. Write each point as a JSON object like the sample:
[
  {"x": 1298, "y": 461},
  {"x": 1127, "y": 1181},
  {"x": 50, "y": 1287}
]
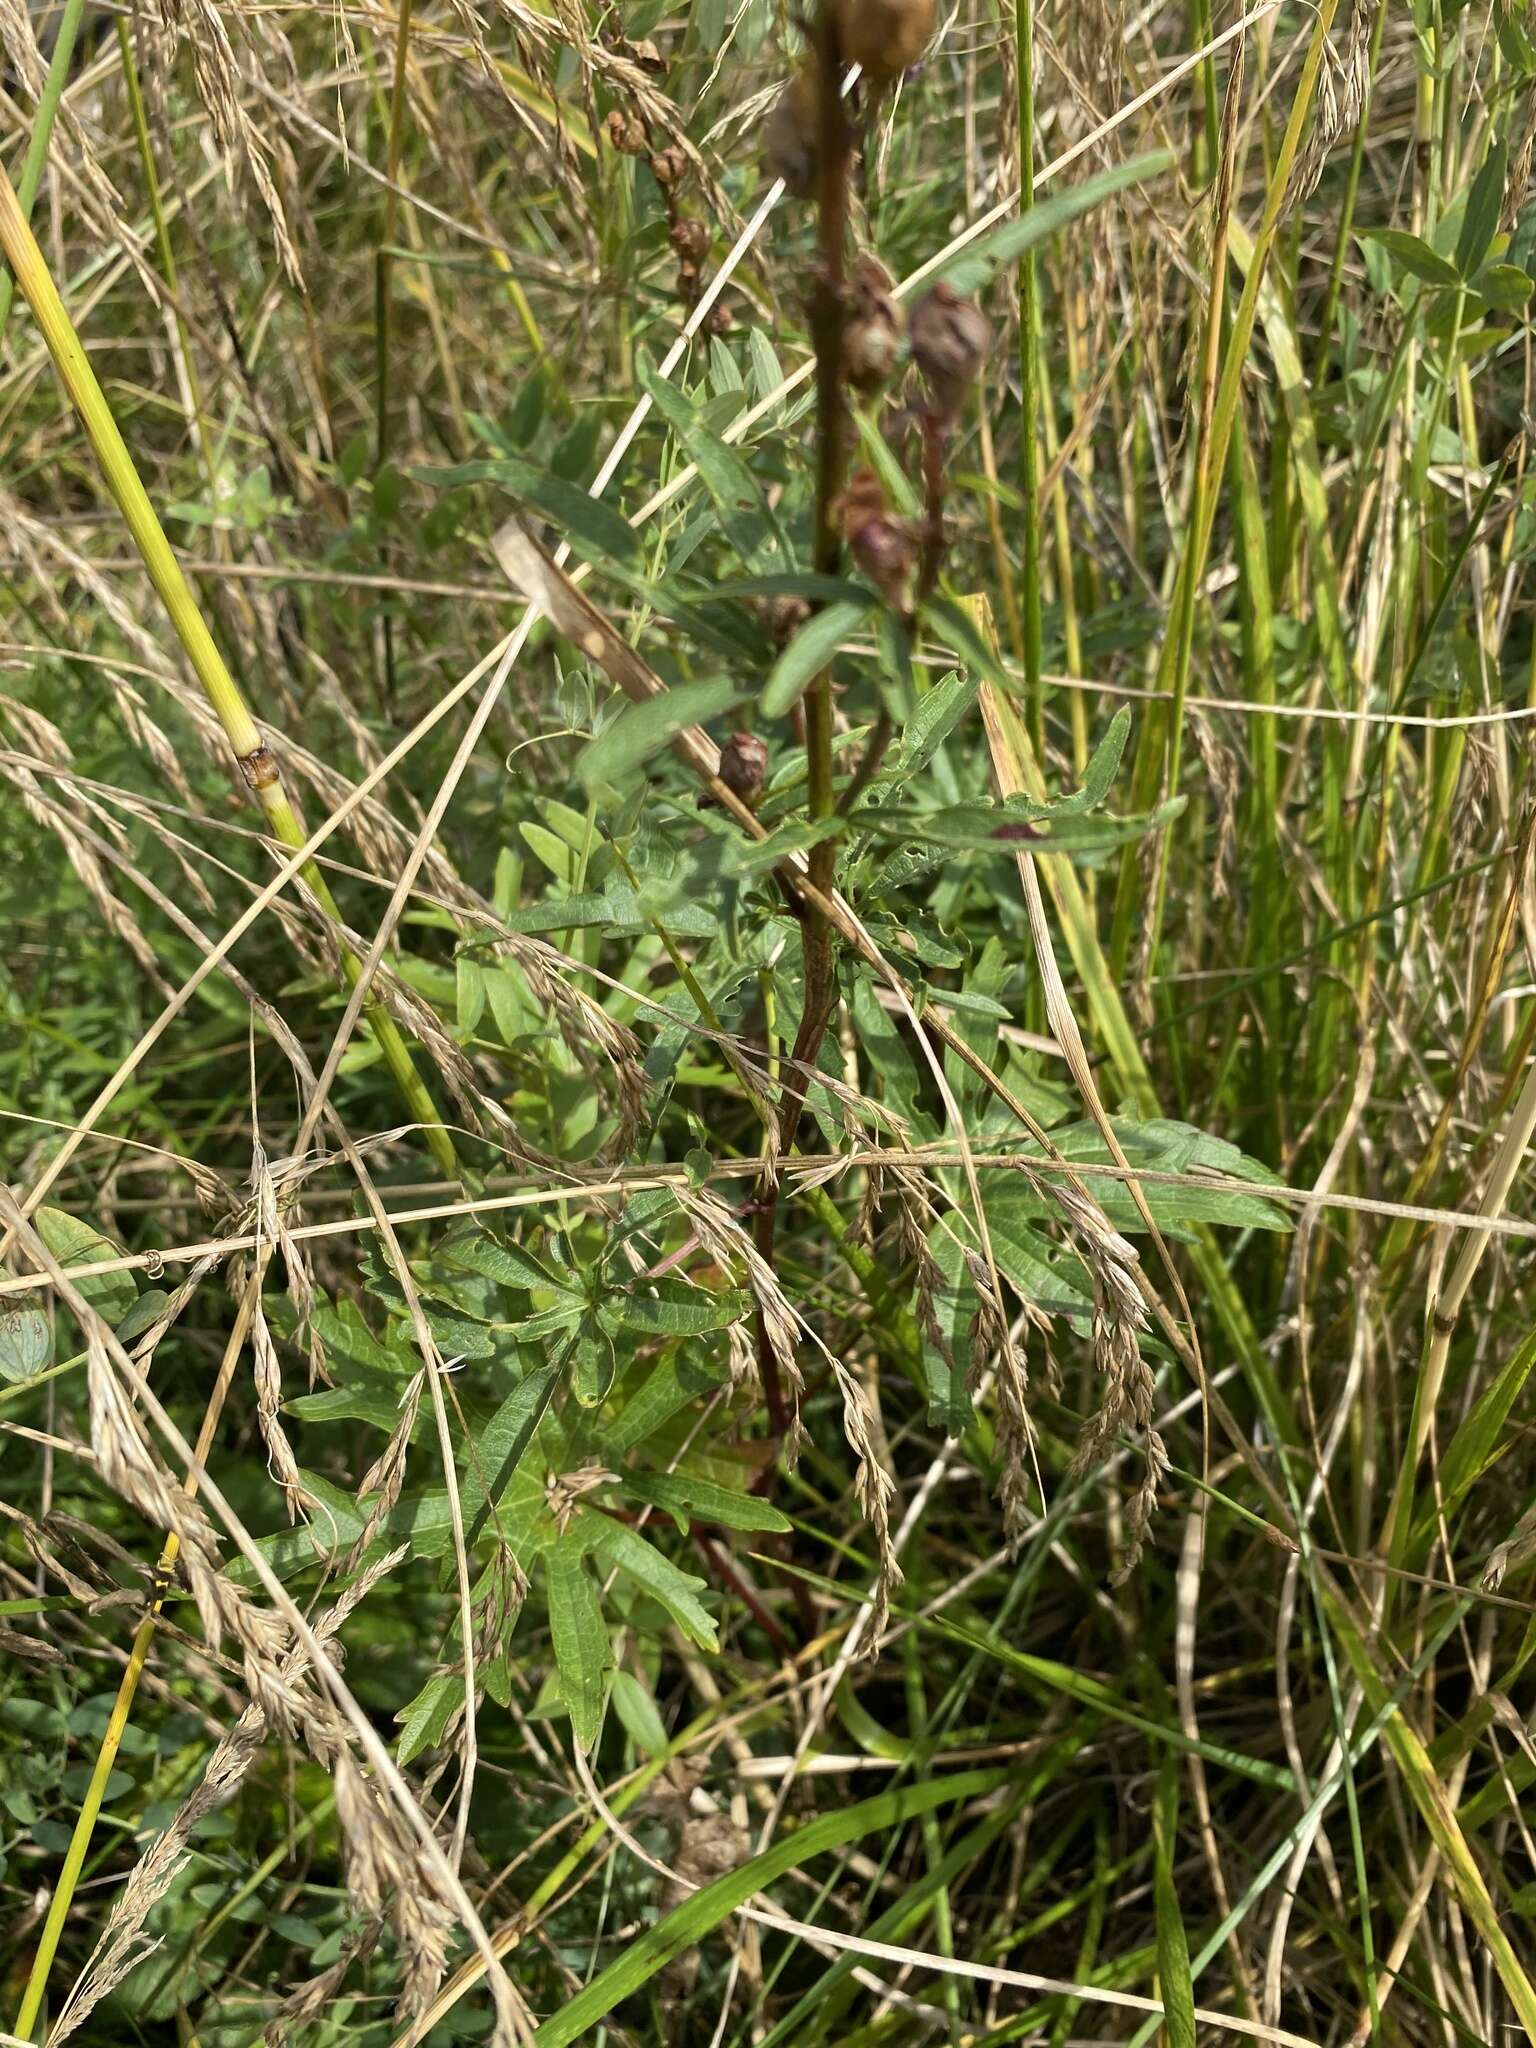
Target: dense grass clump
[{"x": 771, "y": 979}]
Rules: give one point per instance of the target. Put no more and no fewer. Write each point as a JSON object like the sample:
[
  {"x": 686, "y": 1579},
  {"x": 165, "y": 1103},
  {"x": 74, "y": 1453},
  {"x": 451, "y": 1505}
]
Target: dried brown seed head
[
  {"x": 744, "y": 766},
  {"x": 690, "y": 238},
  {"x": 627, "y": 134},
  {"x": 789, "y": 134},
  {"x": 950, "y": 339},
  {"x": 885, "y": 37},
  {"x": 783, "y": 617},
  {"x": 719, "y": 319},
  {"x": 873, "y": 330},
  {"x": 668, "y": 166},
  {"x": 884, "y": 547}
]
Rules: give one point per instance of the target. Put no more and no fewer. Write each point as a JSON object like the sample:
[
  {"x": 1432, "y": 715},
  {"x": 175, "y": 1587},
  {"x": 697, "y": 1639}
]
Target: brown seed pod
[
  {"x": 885, "y": 37},
  {"x": 950, "y": 340},
  {"x": 668, "y": 166},
  {"x": 719, "y": 319},
  {"x": 873, "y": 329},
  {"x": 690, "y": 238},
  {"x": 783, "y": 617},
  {"x": 744, "y": 766},
  {"x": 789, "y": 134},
  {"x": 626, "y": 132},
  {"x": 884, "y": 547}
]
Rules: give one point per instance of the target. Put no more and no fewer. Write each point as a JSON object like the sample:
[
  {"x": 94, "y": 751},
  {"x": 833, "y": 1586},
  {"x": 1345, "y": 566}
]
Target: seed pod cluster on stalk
[
  {"x": 945, "y": 340},
  {"x": 688, "y": 235}
]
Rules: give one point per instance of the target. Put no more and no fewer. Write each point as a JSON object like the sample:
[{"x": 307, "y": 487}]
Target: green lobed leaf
[
  {"x": 672, "y": 1308},
  {"x": 685, "y": 1494},
  {"x": 677, "y": 1590}
]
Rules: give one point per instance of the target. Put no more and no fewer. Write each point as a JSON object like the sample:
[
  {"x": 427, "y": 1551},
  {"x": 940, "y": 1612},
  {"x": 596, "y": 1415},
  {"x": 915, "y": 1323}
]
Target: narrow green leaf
[
  {"x": 684, "y": 1494},
  {"x": 687, "y": 1925},
  {"x": 508, "y": 1434},
  {"x": 582, "y": 1650},
  {"x": 1480, "y": 222},
  {"x": 1175, "y": 1984},
  {"x": 976, "y": 266},
  {"x": 586, "y": 521},
  {"x": 1413, "y": 254},
  {"x": 807, "y": 655},
  {"x": 1474, "y": 1445},
  {"x": 636, "y": 1709},
  {"x": 641, "y": 730}
]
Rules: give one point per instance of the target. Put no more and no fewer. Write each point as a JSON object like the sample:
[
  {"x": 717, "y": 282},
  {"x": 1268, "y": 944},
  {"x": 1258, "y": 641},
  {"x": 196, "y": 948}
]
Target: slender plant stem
[
  {"x": 122, "y": 1706},
  {"x": 835, "y": 162},
  {"x": 255, "y": 758},
  {"x": 42, "y": 133},
  {"x": 1029, "y": 377}
]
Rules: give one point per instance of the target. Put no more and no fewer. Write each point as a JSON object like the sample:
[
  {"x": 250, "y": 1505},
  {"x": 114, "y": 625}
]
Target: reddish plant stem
[{"x": 827, "y": 309}]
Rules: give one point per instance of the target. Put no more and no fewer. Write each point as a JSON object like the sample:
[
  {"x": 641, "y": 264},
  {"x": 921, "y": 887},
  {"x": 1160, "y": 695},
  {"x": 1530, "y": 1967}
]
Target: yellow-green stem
[{"x": 256, "y": 760}]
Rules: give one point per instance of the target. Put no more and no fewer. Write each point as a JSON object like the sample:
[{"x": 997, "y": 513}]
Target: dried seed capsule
[
  {"x": 626, "y": 132},
  {"x": 789, "y": 134},
  {"x": 719, "y": 319},
  {"x": 885, "y": 37},
  {"x": 690, "y": 238},
  {"x": 783, "y": 617},
  {"x": 884, "y": 547},
  {"x": 950, "y": 339},
  {"x": 873, "y": 329},
  {"x": 668, "y": 166},
  {"x": 744, "y": 766}
]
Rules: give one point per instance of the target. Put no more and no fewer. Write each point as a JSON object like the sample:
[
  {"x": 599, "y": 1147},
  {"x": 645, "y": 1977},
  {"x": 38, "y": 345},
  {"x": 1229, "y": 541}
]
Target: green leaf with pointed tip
[
  {"x": 641, "y": 730},
  {"x": 681, "y": 1930},
  {"x": 732, "y": 487},
  {"x": 636, "y": 1709},
  {"x": 583, "y": 1654},
  {"x": 971, "y": 268},
  {"x": 423, "y": 1721},
  {"x": 26, "y": 1343},
  {"x": 511, "y": 1264},
  {"x": 501, "y": 1444},
  {"x": 74, "y": 1242},
  {"x": 808, "y": 654},
  {"x": 1413, "y": 254},
  {"x": 586, "y": 521},
  {"x": 684, "y": 1494},
  {"x": 671, "y": 1308},
  {"x": 677, "y": 1590},
  {"x": 1174, "y": 1980},
  {"x": 666, "y": 1389},
  {"x": 1480, "y": 222}
]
